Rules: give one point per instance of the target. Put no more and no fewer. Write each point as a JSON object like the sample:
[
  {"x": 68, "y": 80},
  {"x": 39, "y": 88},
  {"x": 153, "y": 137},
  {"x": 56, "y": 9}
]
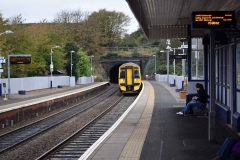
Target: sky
[{"x": 36, "y": 10}]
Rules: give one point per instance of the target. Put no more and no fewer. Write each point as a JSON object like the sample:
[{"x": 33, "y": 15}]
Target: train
[{"x": 129, "y": 78}]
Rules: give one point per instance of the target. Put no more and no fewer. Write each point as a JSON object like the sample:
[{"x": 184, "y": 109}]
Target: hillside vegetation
[{"x": 88, "y": 36}]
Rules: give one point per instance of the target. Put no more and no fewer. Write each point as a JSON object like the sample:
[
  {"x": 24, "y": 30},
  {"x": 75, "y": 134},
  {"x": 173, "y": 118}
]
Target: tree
[
  {"x": 3, "y": 39},
  {"x": 3, "y": 28},
  {"x": 71, "y": 16},
  {"x": 84, "y": 64},
  {"x": 39, "y": 46},
  {"x": 111, "y": 25},
  {"x": 72, "y": 46},
  {"x": 36, "y": 39},
  {"x": 3, "y": 23},
  {"x": 17, "y": 43},
  {"x": 139, "y": 38},
  {"x": 78, "y": 28}
]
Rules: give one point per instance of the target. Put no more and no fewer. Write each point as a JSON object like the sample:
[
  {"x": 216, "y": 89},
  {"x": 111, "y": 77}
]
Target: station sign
[
  {"x": 20, "y": 60},
  {"x": 213, "y": 19},
  {"x": 178, "y": 57},
  {"x": 2, "y": 60}
]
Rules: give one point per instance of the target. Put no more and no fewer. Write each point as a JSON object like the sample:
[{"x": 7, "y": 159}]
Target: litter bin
[
  {"x": 59, "y": 86},
  {"x": 22, "y": 92}
]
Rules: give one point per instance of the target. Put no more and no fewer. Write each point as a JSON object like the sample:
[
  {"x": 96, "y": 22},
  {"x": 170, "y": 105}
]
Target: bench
[{"x": 204, "y": 110}]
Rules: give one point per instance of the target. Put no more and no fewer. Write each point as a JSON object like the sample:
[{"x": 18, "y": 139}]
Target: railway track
[
  {"x": 76, "y": 144},
  {"x": 16, "y": 137}
]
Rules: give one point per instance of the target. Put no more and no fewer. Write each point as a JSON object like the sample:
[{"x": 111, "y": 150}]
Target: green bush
[
  {"x": 99, "y": 78},
  {"x": 112, "y": 54}
]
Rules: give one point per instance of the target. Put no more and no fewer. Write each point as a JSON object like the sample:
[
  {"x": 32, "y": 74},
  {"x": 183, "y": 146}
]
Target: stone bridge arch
[{"x": 111, "y": 65}]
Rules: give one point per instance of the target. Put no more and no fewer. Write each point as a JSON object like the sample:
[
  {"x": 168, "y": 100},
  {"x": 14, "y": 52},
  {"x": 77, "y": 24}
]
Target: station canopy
[{"x": 167, "y": 19}]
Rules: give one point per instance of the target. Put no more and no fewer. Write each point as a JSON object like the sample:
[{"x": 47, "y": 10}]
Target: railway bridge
[{"x": 111, "y": 65}]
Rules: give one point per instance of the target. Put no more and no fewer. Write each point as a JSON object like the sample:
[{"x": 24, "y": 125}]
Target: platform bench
[{"x": 204, "y": 110}]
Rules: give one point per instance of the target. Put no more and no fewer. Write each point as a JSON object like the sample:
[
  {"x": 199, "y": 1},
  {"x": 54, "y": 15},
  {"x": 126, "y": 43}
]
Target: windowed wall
[
  {"x": 238, "y": 77},
  {"x": 197, "y": 59},
  {"x": 222, "y": 75}
]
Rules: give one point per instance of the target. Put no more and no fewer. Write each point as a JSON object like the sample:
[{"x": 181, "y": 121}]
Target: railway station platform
[
  {"x": 153, "y": 131},
  {"x": 150, "y": 130},
  {"x": 33, "y": 95}
]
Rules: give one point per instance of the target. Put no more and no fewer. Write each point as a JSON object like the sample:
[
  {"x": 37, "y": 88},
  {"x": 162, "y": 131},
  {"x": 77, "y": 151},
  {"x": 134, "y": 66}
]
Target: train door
[{"x": 129, "y": 72}]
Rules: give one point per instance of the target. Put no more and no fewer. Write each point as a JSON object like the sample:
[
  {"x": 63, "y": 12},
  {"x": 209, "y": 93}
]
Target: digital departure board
[
  {"x": 20, "y": 60},
  {"x": 213, "y": 19},
  {"x": 178, "y": 57}
]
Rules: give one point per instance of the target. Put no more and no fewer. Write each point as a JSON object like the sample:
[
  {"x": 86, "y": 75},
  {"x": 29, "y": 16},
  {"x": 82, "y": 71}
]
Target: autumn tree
[
  {"x": 111, "y": 25},
  {"x": 95, "y": 31},
  {"x": 72, "y": 23},
  {"x": 3, "y": 28},
  {"x": 38, "y": 34},
  {"x": 3, "y": 38},
  {"x": 17, "y": 43},
  {"x": 92, "y": 31},
  {"x": 3, "y": 23},
  {"x": 36, "y": 39},
  {"x": 71, "y": 16}
]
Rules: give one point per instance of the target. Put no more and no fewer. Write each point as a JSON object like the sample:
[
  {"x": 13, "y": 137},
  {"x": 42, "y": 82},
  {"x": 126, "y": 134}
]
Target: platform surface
[
  {"x": 37, "y": 96},
  {"x": 153, "y": 131}
]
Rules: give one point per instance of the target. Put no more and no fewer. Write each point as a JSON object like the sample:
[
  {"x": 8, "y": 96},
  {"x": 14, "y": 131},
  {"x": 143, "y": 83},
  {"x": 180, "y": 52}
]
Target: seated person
[
  {"x": 230, "y": 150},
  {"x": 197, "y": 101},
  {"x": 193, "y": 98}
]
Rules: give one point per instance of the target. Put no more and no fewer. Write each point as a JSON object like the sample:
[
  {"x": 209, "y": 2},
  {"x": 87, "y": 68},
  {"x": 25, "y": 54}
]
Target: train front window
[
  {"x": 122, "y": 73},
  {"x": 136, "y": 74}
]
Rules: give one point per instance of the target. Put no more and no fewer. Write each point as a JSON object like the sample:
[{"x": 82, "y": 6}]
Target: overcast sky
[{"x": 36, "y": 10}]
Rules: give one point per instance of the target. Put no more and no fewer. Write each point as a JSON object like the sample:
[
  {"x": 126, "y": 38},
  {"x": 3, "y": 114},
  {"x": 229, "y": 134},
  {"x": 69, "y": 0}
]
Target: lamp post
[
  {"x": 174, "y": 70},
  {"x": 91, "y": 66},
  {"x": 155, "y": 64},
  {"x": 168, "y": 49},
  {"x": 1, "y": 59},
  {"x": 183, "y": 63},
  {"x": 51, "y": 65},
  {"x": 71, "y": 61},
  {"x": 174, "y": 66}
]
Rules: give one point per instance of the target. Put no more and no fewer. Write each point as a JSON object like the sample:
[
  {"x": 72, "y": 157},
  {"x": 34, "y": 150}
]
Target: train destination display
[
  {"x": 178, "y": 57},
  {"x": 20, "y": 60},
  {"x": 213, "y": 19}
]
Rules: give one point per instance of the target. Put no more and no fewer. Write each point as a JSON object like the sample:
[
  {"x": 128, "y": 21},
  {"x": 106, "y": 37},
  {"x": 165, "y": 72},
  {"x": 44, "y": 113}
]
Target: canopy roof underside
[{"x": 163, "y": 19}]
